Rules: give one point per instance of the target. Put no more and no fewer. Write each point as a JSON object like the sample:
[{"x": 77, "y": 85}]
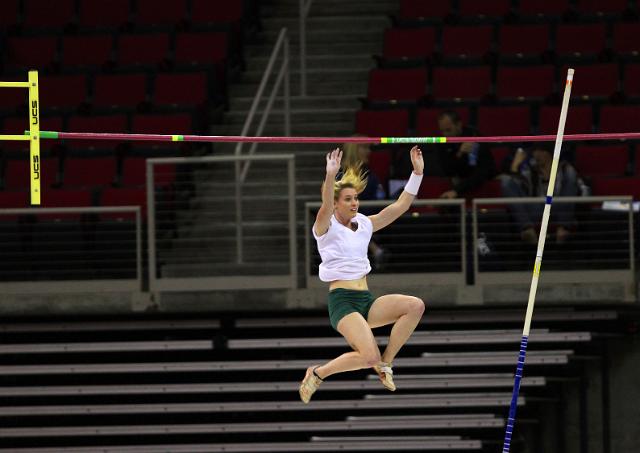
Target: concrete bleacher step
[
  {"x": 332, "y": 101},
  {"x": 394, "y": 402},
  {"x": 319, "y": 48},
  {"x": 318, "y": 34},
  {"x": 114, "y": 326},
  {"x": 427, "y": 360},
  {"x": 351, "y": 424},
  {"x": 419, "y": 338},
  {"x": 358, "y": 61},
  {"x": 115, "y": 347},
  {"x": 273, "y": 447},
  {"x": 436, "y": 318},
  {"x": 308, "y": 128},
  {"x": 364, "y": 22},
  {"x": 404, "y": 382},
  {"x": 276, "y": 116}
]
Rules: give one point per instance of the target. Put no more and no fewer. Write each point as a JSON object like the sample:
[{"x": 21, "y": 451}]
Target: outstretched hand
[
  {"x": 416, "y": 160},
  {"x": 333, "y": 162}
]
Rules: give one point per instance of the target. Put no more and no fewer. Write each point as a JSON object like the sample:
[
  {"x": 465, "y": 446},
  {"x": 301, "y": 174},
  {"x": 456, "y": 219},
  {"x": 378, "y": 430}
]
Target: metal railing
[
  {"x": 66, "y": 250},
  {"x": 192, "y": 237},
  {"x": 281, "y": 46},
  {"x": 600, "y": 247},
  {"x": 425, "y": 246},
  {"x": 305, "y": 6}
]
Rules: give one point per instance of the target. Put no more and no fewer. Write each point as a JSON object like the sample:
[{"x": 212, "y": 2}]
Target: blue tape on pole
[
  {"x": 549, "y": 199},
  {"x": 514, "y": 397}
]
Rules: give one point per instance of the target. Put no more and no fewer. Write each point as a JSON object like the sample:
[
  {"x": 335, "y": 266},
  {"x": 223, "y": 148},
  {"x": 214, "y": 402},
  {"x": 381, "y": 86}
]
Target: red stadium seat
[
  {"x": 100, "y": 123},
  {"x": 17, "y": 173},
  {"x": 148, "y": 49},
  {"x": 161, "y": 12},
  {"x": 600, "y": 7},
  {"x": 93, "y": 50},
  {"x": 206, "y": 11},
  {"x": 406, "y": 43},
  {"x": 112, "y": 14},
  {"x": 599, "y": 160},
  {"x": 596, "y": 80},
  {"x": 48, "y": 15},
  {"x": 89, "y": 172},
  {"x": 10, "y": 13},
  {"x": 461, "y": 83},
  {"x": 14, "y": 99},
  {"x": 63, "y": 91},
  {"x": 579, "y": 119},
  {"x": 17, "y": 126},
  {"x": 580, "y": 40},
  {"x": 632, "y": 80},
  {"x": 510, "y": 120},
  {"x": 603, "y": 186},
  {"x": 433, "y": 187},
  {"x": 13, "y": 200},
  {"x": 419, "y": 9},
  {"x": 499, "y": 154},
  {"x": 134, "y": 171},
  {"x": 466, "y": 42},
  {"x": 64, "y": 198},
  {"x": 525, "y": 82},
  {"x": 380, "y": 165},
  {"x": 637, "y": 159},
  {"x": 382, "y": 123},
  {"x": 201, "y": 48},
  {"x": 488, "y": 189},
  {"x": 625, "y": 38},
  {"x": 619, "y": 118},
  {"x": 546, "y": 8},
  {"x": 161, "y": 124},
  {"x": 181, "y": 90},
  {"x": 522, "y": 41},
  {"x": 397, "y": 85},
  {"x": 32, "y": 51},
  {"x": 123, "y": 197},
  {"x": 427, "y": 120},
  {"x": 120, "y": 90},
  {"x": 486, "y": 8}
]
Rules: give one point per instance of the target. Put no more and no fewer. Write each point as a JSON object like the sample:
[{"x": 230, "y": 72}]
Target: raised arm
[
  {"x": 400, "y": 206},
  {"x": 323, "y": 217}
]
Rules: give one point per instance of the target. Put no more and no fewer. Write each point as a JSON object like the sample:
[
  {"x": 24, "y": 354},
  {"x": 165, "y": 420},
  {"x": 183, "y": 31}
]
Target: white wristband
[{"x": 413, "y": 185}]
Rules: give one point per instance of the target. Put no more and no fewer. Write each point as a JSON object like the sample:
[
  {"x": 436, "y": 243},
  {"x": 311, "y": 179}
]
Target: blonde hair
[{"x": 352, "y": 177}]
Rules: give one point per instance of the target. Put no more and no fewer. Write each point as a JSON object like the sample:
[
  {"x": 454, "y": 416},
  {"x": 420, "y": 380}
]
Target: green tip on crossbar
[{"x": 45, "y": 134}]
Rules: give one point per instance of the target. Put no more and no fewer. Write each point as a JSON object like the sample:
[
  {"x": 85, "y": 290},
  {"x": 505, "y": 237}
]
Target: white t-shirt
[{"x": 344, "y": 251}]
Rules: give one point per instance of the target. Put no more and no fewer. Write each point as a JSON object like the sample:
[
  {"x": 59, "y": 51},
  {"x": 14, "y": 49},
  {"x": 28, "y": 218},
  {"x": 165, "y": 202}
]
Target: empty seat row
[
  {"x": 86, "y": 173},
  {"x": 124, "y": 50},
  {"x": 90, "y": 14},
  {"x": 165, "y": 124},
  {"x": 497, "y": 9},
  {"x": 127, "y": 91},
  {"x": 65, "y": 198},
  {"x": 476, "y": 83},
  {"x": 500, "y": 120},
  {"x": 511, "y": 41}
]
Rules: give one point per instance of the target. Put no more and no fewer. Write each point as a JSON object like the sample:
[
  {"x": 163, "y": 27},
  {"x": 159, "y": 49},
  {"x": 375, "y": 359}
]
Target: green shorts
[{"x": 345, "y": 301}]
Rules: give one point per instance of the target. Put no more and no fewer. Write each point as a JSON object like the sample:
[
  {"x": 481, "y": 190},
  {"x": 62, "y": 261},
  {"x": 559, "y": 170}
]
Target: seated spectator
[
  {"x": 529, "y": 177},
  {"x": 468, "y": 164},
  {"x": 357, "y": 155}
]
